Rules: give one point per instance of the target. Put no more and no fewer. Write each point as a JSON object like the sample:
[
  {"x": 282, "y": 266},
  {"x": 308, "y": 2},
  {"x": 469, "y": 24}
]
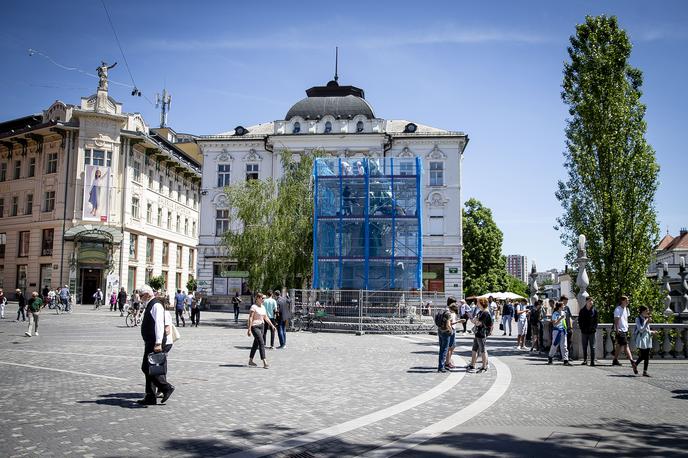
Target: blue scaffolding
[{"x": 367, "y": 231}]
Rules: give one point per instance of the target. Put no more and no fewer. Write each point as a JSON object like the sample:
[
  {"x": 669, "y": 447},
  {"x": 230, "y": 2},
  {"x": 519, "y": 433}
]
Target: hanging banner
[{"x": 96, "y": 193}]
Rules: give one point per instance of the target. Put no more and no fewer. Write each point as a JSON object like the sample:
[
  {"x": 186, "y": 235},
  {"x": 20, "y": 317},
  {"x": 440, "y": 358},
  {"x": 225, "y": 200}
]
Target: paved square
[{"x": 71, "y": 392}]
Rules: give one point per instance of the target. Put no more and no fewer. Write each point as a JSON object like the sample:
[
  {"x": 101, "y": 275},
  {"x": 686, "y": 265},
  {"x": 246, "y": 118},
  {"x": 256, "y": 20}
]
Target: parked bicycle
[
  {"x": 55, "y": 305},
  {"x": 310, "y": 319}
]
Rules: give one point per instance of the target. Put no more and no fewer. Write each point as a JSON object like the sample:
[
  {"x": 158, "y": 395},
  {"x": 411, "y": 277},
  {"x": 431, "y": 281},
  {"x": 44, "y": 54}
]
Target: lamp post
[
  {"x": 667, "y": 289},
  {"x": 582, "y": 281},
  {"x": 533, "y": 285}
]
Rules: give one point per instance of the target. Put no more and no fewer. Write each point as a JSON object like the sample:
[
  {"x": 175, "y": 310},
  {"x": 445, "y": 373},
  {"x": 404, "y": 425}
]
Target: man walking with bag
[
  {"x": 284, "y": 309},
  {"x": 154, "y": 339}
]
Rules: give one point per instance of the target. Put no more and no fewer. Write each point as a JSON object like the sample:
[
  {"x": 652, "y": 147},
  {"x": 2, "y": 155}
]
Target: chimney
[{"x": 683, "y": 231}]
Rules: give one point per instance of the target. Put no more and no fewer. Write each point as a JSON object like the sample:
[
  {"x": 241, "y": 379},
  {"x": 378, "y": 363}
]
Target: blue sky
[{"x": 490, "y": 69}]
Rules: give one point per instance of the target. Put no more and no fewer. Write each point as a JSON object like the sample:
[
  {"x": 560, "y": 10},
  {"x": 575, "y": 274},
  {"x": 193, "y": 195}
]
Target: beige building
[{"x": 92, "y": 197}]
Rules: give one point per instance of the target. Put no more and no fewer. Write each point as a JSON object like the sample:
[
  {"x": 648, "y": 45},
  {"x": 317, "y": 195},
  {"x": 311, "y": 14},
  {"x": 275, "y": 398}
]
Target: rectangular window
[
  {"x": 407, "y": 168},
  {"x": 131, "y": 279},
  {"x": 186, "y": 226},
  {"x": 169, "y": 188},
  {"x": 32, "y": 167},
  {"x": 97, "y": 157},
  {"x": 24, "y": 237},
  {"x": 149, "y": 213},
  {"x": 223, "y": 173},
  {"x": 149, "y": 251},
  {"x": 22, "y": 275},
  {"x": 51, "y": 164},
  {"x": 179, "y": 256},
  {"x": 160, "y": 185},
  {"x": 15, "y": 206},
  {"x": 251, "y": 172},
  {"x": 148, "y": 275},
  {"x": 3, "y": 244},
  {"x": 133, "y": 246},
  {"x": 165, "y": 253},
  {"x": 166, "y": 278},
  {"x": 17, "y": 170},
  {"x": 29, "y": 204},
  {"x": 3, "y": 171},
  {"x": 46, "y": 275},
  {"x": 49, "y": 201},
  {"x": 436, "y": 225},
  {"x": 136, "y": 166},
  {"x": 221, "y": 222},
  {"x": 135, "y": 207},
  {"x": 178, "y": 280},
  {"x": 169, "y": 220},
  {"x": 47, "y": 242},
  {"x": 2, "y": 207},
  {"x": 150, "y": 179},
  {"x": 437, "y": 174},
  {"x": 178, "y": 226},
  {"x": 193, "y": 228},
  {"x": 191, "y": 259},
  {"x": 179, "y": 193},
  {"x": 159, "y": 217}
]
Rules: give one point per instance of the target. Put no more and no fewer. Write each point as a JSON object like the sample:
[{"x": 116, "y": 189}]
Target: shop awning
[{"x": 94, "y": 233}]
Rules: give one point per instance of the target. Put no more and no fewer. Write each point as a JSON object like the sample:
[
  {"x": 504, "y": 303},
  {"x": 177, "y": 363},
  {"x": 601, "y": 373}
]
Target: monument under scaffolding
[{"x": 367, "y": 230}]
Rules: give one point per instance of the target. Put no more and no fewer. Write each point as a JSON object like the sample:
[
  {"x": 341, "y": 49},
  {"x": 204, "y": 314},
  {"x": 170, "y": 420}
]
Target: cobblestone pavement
[{"x": 71, "y": 392}]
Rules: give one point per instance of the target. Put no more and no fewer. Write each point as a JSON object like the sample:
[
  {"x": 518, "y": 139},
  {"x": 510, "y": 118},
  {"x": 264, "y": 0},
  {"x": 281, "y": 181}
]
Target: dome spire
[{"x": 336, "y": 63}]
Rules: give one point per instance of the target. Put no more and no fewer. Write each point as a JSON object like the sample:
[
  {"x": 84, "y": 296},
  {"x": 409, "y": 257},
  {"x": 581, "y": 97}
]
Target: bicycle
[
  {"x": 55, "y": 305},
  {"x": 133, "y": 317},
  {"x": 97, "y": 304}
]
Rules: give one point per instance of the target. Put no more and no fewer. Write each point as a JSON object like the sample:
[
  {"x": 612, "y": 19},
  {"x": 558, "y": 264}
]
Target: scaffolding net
[{"x": 367, "y": 231}]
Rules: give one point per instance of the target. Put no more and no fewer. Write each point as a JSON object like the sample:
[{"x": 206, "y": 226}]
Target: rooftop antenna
[
  {"x": 336, "y": 62},
  {"x": 163, "y": 102}
]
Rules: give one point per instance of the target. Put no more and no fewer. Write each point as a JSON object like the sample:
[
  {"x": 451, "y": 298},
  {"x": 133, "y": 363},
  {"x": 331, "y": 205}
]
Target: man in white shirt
[
  {"x": 154, "y": 339},
  {"x": 621, "y": 332}
]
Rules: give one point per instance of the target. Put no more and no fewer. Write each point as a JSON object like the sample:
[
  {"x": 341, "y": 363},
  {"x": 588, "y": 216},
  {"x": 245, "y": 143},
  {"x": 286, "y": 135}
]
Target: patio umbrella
[{"x": 502, "y": 296}]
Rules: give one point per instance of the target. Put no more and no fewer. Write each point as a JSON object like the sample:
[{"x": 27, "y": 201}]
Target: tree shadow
[
  {"x": 232, "y": 365},
  {"x": 611, "y": 437},
  {"x": 680, "y": 394},
  {"x": 124, "y": 400}
]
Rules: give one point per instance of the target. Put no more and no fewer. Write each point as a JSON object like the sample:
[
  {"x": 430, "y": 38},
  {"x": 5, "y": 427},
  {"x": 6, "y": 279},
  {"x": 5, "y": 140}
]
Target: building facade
[
  {"x": 337, "y": 121},
  {"x": 92, "y": 197},
  {"x": 517, "y": 266}
]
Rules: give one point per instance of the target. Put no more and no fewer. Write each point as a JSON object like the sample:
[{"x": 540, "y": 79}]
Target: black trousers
[
  {"x": 645, "y": 357},
  {"x": 179, "y": 313},
  {"x": 153, "y": 381},
  {"x": 464, "y": 317},
  {"x": 195, "y": 316},
  {"x": 22, "y": 311},
  {"x": 258, "y": 342},
  {"x": 265, "y": 333},
  {"x": 588, "y": 340}
]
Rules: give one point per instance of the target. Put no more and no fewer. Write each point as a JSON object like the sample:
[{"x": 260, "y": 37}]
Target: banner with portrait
[{"x": 96, "y": 193}]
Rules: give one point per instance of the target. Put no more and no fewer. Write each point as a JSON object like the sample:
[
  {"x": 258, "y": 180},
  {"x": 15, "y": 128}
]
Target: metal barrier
[{"x": 364, "y": 306}]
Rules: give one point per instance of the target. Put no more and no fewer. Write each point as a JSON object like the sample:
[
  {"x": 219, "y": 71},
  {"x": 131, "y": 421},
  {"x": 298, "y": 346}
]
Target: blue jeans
[
  {"x": 444, "y": 347},
  {"x": 507, "y": 320},
  {"x": 282, "y": 332}
]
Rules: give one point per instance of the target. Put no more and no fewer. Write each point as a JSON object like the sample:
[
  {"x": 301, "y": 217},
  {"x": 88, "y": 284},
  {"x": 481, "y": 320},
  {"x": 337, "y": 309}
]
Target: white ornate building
[
  {"x": 338, "y": 120},
  {"x": 92, "y": 197}
]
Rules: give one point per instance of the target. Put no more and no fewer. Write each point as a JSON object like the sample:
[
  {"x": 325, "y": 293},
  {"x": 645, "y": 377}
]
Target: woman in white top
[
  {"x": 643, "y": 339},
  {"x": 256, "y": 320}
]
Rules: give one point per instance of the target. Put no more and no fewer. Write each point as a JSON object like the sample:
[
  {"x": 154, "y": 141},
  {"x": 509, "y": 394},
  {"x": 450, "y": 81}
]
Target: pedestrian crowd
[{"x": 531, "y": 322}]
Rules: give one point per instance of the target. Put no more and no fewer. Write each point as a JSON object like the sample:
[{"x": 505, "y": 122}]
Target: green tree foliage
[
  {"x": 191, "y": 284},
  {"x": 157, "y": 283},
  {"x": 609, "y": 191},
  {"x": 484, "y": 267},
  {"x": 273, "y": 240}
]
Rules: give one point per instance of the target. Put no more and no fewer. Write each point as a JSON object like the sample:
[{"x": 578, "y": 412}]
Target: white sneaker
[
  {"x": 35, "y": 333},
  {"x": 27, "y": 334}
]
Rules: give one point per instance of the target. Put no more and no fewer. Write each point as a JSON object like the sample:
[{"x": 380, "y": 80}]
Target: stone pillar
[
  {"x": 582, "y": 281},
  {"x": 683, "y": 272},
  {"x": 667, "y": 289},
  {"x": 533, "y": 285}
]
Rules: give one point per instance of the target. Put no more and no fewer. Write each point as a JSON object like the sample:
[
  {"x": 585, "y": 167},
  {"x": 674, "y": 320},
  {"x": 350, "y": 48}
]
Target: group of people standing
[{"x": 483, "y": 315}]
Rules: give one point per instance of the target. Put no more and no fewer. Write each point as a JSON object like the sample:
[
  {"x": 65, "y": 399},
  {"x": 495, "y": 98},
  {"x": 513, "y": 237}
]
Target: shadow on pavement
[
  {"x": 124, "y": 400},
  {"x": 610, "y": 438},
  {"x": 680, "y": 394}
]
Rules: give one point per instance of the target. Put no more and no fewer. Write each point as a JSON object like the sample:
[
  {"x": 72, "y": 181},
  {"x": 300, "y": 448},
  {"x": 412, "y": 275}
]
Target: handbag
[
  {"x": 157, "y": 363},
  {"x": 174, "y": 332},
  {"x": 501, "y": 326}
]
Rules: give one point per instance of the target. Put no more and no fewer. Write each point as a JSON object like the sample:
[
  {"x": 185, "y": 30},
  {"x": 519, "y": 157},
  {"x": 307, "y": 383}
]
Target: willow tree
[
  {"x": 271, "y": 221},
  {"x": 609, "y": 192}
]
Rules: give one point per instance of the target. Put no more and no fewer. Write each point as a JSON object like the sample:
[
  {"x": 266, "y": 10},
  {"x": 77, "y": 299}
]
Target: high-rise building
[{"x": 517, "y": 266}]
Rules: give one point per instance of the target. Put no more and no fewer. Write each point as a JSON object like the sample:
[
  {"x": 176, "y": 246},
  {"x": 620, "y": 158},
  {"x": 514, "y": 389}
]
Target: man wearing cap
[{"x": 154, "y": 338}]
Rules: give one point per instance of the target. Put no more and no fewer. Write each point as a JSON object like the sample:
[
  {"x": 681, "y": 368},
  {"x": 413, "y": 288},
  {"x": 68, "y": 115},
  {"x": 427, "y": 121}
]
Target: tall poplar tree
[{"x": 609, "y": 193}]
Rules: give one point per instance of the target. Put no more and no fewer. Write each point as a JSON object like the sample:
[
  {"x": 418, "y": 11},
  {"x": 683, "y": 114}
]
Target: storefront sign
[{"x": 453, "y": 270}]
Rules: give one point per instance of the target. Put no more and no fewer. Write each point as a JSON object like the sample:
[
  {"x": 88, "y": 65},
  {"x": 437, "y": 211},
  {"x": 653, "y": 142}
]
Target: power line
[{"x": 114, "y": 32}]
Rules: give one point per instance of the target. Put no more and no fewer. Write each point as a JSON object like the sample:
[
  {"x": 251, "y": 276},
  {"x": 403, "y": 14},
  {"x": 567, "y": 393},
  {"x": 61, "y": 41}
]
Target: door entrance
[{"x": 91, "y": 280}]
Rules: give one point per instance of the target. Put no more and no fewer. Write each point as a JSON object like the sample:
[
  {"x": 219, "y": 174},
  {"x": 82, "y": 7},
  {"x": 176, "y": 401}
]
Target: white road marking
[
  {"x": 63, "y": 370},
  {"x": 496, "y": 391},
  {"x": 449, "y": 382}
]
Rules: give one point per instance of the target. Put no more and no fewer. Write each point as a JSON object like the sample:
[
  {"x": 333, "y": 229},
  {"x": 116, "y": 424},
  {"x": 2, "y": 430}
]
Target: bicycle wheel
[
  {"x": 129, "y": 320},
  {"x": 296, "y": 324}
]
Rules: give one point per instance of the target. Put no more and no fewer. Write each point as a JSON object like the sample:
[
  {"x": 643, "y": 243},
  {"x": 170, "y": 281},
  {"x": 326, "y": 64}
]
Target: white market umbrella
[{"x": 502, "y": 296}]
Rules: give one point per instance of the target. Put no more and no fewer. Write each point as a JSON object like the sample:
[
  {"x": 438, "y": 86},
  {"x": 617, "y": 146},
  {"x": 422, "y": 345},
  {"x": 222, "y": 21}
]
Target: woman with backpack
[
  {"x": 482, "y": 328},
  {"x": 559, "y": 334},
  {"x": 643, "y": 339}
]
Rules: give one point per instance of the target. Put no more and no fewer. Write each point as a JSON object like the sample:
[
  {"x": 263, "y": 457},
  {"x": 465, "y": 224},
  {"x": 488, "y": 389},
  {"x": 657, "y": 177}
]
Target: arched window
[
  {"x": 359, "y": 126},
  {"x": 297, "y": 127},
  {"x": 328, "y": 127}
]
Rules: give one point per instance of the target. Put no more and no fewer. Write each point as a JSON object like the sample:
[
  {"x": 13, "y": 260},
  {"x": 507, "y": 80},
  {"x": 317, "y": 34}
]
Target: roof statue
[{"x": 103, "y": 75}]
